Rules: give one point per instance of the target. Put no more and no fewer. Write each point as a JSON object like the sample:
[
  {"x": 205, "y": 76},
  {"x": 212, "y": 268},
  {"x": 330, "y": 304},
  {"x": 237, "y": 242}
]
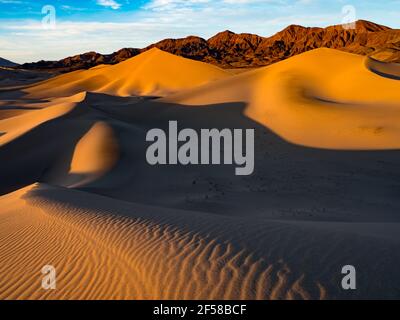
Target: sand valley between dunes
[{"x": 77, "y": 193}]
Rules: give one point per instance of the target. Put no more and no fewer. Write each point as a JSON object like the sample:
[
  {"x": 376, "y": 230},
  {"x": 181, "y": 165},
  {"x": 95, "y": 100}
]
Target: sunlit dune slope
[
  {"x": 154, "y": 73},
  {"x": 17, "y": 124},
  {"x": 94, "y": 155},
  {"x": 323, "y": 98}
]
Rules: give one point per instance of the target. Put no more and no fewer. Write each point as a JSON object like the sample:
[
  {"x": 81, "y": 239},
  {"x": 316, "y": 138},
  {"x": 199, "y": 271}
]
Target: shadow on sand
[{"x": 288, "y": 181}]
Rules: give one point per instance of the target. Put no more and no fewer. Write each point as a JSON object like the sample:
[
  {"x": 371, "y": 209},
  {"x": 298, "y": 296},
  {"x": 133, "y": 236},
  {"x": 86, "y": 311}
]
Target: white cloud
[
  {"x": 240, "y": 1},
  {"x": 109, "y": 3},
  {"x": 160, "y": 5}
]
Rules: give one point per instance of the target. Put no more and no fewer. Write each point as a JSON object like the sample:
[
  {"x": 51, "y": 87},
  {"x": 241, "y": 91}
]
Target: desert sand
[{"x": 78, "y": 194}]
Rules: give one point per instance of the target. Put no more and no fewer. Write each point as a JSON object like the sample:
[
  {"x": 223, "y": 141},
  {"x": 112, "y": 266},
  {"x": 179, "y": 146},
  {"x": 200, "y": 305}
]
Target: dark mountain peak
[
  {"x": 294, "y": 28},
  {"x": 190, "y": 47},
  {"x": 368, "y": 26},
  {"x": 90, "y": 53},
  {"x": 194, "y": 38},
  {"x": 361, "y": 26},
  {"x": 293, "y": 33},
  {"x": 224, "y": 35},
  {"x": 122, "y": 55},
  {"x": 169, "y": 43},
  {"x": 7, "y": 63}
]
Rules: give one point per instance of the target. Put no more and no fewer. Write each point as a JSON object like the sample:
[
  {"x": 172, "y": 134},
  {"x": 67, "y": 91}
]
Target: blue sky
[{"x": 108, "y": 25}]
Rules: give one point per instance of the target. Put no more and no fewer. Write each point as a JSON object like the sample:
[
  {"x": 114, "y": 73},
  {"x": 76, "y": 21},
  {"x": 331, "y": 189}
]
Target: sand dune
[
  {"x": 15, "y": 126},
  {"x": 106, "y": 249},
  {"x": 77, "y": 192},
  {"x": 94, "y": 155},
  {"x": 153, "y": 73},
  {"x": 324, "y": 98}
]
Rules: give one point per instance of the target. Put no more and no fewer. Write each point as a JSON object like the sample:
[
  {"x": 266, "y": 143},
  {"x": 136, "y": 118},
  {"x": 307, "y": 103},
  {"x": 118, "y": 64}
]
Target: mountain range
[
  {"x": 7, "y": 63},
  {"x": 230, "y": 50}
]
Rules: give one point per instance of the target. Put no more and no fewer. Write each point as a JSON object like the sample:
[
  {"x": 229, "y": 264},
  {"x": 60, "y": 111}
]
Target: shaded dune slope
[{"x": 389, "y": 70}]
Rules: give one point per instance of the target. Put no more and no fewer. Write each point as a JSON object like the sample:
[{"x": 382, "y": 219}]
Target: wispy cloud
[
  {"x": 109, "y": 3},
  {"x": 10, "y": 2}
]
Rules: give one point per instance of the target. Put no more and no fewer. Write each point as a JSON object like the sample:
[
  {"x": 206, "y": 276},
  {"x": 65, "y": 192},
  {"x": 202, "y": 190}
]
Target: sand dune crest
[{"x": 152, "y": 73}]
